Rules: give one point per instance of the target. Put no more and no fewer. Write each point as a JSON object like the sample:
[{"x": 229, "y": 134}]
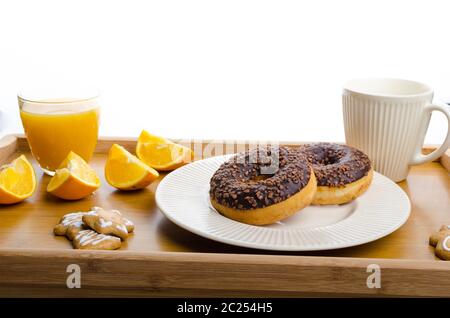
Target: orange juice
[{"x": 56, "y": 127}]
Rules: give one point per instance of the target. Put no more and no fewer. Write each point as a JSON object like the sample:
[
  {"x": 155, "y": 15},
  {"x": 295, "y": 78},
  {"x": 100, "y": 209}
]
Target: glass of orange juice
[{"x": 57, "y": 124}]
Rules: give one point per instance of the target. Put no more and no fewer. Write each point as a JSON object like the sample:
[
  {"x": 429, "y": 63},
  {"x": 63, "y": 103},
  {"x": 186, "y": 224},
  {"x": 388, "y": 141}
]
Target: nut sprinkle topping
[{"x": 336, "y": 165}]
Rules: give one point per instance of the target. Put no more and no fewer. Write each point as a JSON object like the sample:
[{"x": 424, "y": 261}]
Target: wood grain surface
[{"x": 161, "y": 259}]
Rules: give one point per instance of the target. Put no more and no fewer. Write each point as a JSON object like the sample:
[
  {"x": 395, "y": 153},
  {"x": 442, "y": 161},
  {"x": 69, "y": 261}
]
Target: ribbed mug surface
[{"x": 387, "y": 130}]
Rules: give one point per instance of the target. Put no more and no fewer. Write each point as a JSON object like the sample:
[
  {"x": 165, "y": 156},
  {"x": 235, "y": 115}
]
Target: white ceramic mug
[{"x": 388, "y": 119}]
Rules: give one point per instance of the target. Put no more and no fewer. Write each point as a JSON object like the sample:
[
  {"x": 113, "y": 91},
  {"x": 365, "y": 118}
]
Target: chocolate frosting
[
  {"x": 260, "y": 177},
  {"x": 336, "y": 165}
]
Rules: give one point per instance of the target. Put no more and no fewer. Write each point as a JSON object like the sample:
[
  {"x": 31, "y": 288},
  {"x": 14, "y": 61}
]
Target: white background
[{"x": 223, "y": 69}]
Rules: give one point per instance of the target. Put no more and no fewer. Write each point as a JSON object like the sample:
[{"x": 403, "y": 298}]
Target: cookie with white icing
[
  {"x": 443, "y": 248},
  {"x": 440, "y": 235},
  {"x": 91, "y": 240},
  {"x": 109, "y": 222},
  {"x": 70, "y": 224}
]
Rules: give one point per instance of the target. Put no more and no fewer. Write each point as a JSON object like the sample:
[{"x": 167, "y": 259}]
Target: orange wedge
[
  {"x": 74, "y": 179},
  {"x": 162, "y": 154},
  {"x": 17, "y": 181},
  {"x": 125, "y": 171}
]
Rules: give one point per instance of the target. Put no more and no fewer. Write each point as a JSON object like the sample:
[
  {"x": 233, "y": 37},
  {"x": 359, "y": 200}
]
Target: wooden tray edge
[
  {"x": 112, "y": 273},
  {"x": 9, "y": 143}
]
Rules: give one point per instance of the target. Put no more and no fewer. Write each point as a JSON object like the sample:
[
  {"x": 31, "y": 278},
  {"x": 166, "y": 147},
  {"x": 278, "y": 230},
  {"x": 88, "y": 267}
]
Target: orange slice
[
  {"x": 125, "y": 171},
  {"x": 162, "y": 154},
  {"x": 74, "y": 179},
  {"x": 17, "y": 181}
]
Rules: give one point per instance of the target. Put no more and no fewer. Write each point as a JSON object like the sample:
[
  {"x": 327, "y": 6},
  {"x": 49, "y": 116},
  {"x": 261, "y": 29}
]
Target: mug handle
[{"x": 418, "y": 157}]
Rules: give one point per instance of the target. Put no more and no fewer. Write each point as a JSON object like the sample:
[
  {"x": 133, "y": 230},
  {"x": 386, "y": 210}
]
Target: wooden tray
[{"x": 161, "y": 259}]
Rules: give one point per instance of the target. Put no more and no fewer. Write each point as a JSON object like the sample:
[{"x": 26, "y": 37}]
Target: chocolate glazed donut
[
  {"x": 263, "y": 185},
  {"x": 343, "y": 173}
]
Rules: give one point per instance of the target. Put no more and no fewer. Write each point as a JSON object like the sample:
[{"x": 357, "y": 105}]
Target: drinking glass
[{"x": 59, "y": 121}]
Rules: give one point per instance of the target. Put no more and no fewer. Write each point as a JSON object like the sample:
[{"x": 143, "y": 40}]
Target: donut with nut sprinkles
[{"x": 263, "y": 185}]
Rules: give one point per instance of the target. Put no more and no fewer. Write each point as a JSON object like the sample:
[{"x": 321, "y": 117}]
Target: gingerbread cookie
[
  {"x": 128, "y": 224},
  {"x": 91, "y": 240},
  {"x": 443, "y": 248},
  {"x": 70, "y": 224},
  {"x": 438, "y": 236},
  {"x": 109, "y": 222}
]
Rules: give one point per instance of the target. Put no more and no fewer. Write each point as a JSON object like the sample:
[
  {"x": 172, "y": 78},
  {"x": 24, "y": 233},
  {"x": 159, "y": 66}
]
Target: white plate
[{"x": 183, "y": 198}]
